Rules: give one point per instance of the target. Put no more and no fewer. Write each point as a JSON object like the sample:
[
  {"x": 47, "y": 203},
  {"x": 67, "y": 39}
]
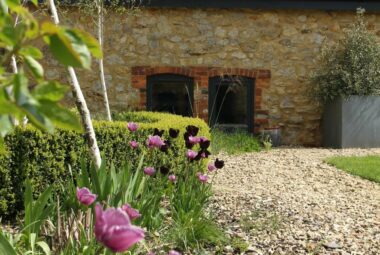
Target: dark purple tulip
[
  {"x": 158, "y": 132},
  {"x": 164, "y": 148},
  {"x": 186, "y": 136},
  {"x": 192, "y": 130},
  {"x": 219, "y": 163},
  {"x": 204, "y": 143},
  {"x": 134, "y": 144},
  {"x": 114, "y": 230},
  {"x": 132, "y": 126},
  {"x": 173, "y": 133},
  {"x": 154, "y": 142},
  {"x": 189, "y": 145},
  {"x": 164, "y": 170},
  {"x": 132, "y": 212},
  {"x": 149, "y": 171},
  {"x": 85, "y": 196}
]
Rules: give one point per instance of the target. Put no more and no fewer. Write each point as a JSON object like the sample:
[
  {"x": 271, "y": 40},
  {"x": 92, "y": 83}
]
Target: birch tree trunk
[
  {"x": 99, "y": 4},
  {"x": 81, "y": 104}
]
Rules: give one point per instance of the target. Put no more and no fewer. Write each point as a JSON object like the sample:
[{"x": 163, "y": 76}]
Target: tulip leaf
[
  {"x": 5, "y": 124},
  {"x": 5, "y": 246},
  {"x": 45, "y": 247}
]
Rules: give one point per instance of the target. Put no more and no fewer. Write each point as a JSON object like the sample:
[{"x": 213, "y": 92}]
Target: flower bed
[
  {"x": 44, "y": 158},
  {"x": 111, "y": 209}
]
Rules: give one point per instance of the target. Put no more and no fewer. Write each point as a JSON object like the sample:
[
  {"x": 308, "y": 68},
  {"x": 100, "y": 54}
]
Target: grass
[
  {"x": 260, "y": 220},
  {"x": 367, "y": 167},
  {"x": 233, "y": 142}
]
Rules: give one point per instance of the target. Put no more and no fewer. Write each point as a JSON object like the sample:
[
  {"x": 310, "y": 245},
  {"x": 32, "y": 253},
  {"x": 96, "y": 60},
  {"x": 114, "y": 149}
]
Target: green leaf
[
  {"x": 60, "y": 116},
  {"x": 31, "y": 51},
  {"x": 66, "y": 46},
  {"x": 34, "y": 66},
  {"x": 5, "y": 246},
  {"x": 91, "y": 43},
  {"x": 45, "y": 247},
  {"x": 50, "y": 90},
  {"x": 5, "y": 125}
]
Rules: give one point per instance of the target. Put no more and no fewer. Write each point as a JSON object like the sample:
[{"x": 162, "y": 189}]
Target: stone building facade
[{"x": 275, "y": 49}]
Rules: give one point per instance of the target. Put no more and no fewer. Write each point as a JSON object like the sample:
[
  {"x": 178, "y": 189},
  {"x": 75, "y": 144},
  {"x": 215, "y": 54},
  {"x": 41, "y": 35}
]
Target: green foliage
[
  {"x": 234, "y": 142},
  {"x": 349, "y": 67},
  {"x": 44, "y": 157},
  {"x": 40, "y": 104},
  {"x": 366, "y": 167}
]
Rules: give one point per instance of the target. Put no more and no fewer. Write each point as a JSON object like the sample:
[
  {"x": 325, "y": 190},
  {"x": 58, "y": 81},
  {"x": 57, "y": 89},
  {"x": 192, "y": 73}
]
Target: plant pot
[{"x": 352, "y": 122}]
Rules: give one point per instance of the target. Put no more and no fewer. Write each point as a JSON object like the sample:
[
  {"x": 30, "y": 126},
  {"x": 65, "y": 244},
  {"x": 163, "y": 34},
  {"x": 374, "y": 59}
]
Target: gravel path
[{"x": 287, "y": 201}]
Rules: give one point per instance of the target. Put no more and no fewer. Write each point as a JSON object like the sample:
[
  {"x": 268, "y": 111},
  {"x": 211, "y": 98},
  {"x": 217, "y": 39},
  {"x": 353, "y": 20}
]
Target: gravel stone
[{"x": 288, "y": 201}]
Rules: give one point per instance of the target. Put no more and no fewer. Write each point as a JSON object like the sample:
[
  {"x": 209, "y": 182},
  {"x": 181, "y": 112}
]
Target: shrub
[
  {"x": 234, "y": 142},
  {"x": 349, "y": 67},
  {"x": 44, "y": 158}
]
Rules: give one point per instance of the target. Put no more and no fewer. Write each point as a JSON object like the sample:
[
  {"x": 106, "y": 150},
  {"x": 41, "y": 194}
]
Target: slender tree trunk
[
  {"x": 99, "y": 4},
  {"x": 81, "y": 104}
]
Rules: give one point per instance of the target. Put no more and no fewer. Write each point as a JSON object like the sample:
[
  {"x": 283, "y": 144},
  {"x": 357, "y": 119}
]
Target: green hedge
[{"x": 44, "y": 158}]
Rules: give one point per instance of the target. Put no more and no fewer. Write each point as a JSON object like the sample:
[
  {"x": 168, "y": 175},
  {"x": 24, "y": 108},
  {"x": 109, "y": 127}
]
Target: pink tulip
[
  {"x": 173, "y": 252},
  {"x": 132, "y": 212},
  {"x": 134, "y": 144},
  {"x": 172, "y": 178},
  {"x": 194, "y": 139},
  {"x": 149, "y": 171},
  {"x": 203, "y": 178},
  {"x": 114, "y": 230},
  {"x": 154, "y": 142},
  {"x": 85, "y": 196},
  {"x": 132, "y": 126},
  {"x": 211, "y": 167},
  {"x": 190, "y": 154}
]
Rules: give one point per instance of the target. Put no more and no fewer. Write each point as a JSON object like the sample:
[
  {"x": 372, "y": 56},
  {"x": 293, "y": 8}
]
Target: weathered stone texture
[{"x": 284, "y": 42}]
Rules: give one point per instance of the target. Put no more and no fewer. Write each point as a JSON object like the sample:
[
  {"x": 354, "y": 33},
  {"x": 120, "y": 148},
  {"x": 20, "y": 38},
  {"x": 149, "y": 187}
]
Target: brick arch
[{"x": 201, "y": 77}]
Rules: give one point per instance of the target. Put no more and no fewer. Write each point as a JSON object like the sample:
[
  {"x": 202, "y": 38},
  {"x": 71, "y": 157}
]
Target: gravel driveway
[{"x": 287, "y": 201}]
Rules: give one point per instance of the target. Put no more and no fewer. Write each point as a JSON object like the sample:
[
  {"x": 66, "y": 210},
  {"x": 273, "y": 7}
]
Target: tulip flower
[
  {"x": 154, "y": 142},
  {"x": 202, "y": 178},
  {"x": 149, "y": 171},
  {"x": 192, "y": 130},
  {"x": 219, "y": 163},
  {"x": 211, "y": 167},
  {"x": 173, "y": 133},
  {"x": 204, "y": 143},
  {"x": 174, "y": 252},
  {"x": 172, "y": 178},
  {"x": 191, "y": 154},
  {"x": 194, "y": 139},
  {"x": 132, "y": 126},
  {"x": 132, "y": 212},
  {"x": 85, "y": 196},
  {"x": 134, "y": 144},
  {"x": 158, "y": 132},
  {"x": 114, "y": 230},
  {"x": 164, "y": 170}
]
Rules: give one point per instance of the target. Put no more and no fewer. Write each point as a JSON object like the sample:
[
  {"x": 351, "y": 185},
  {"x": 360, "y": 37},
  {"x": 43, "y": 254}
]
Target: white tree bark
[
  {"x": 99, "y": 4},
  {"x": 81, "y": 104}
]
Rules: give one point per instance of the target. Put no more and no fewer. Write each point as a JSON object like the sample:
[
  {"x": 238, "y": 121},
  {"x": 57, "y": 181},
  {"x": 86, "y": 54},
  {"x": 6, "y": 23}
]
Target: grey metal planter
[{"x": 352, "y": 122}]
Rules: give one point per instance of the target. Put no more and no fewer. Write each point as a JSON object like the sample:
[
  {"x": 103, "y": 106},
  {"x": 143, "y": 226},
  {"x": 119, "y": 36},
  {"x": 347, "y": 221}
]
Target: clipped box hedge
[{"x": 44, "y": 158}]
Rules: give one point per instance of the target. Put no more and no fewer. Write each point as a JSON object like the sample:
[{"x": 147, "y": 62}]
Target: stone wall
[{"x": 284, "y": 42}]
